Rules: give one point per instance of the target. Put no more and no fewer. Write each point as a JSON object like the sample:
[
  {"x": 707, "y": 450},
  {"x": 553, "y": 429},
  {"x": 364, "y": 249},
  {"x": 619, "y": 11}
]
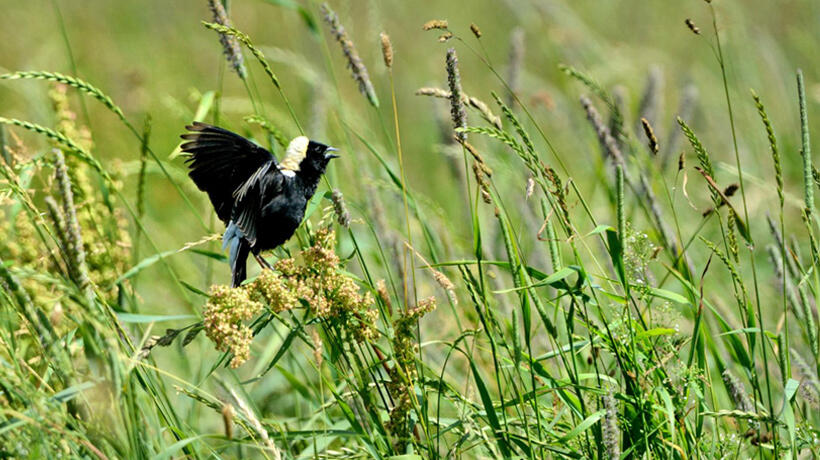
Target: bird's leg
[{"x": 262, "y": 262}]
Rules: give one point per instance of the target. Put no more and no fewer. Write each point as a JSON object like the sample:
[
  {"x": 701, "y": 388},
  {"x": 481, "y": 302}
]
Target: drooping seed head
[
  {"x": 230, "y": 44},
  {"x": 650, "y": 136},
  {"x": 354, "y": 62},
  {"x": 608, "y": 143}
]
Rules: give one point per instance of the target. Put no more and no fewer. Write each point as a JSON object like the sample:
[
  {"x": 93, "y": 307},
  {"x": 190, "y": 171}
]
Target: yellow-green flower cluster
[
  {"x": 313, "y": 279},
  {"x": 224, "y": 313},
  {"x": 22, "y": 243},
  {"x": 270, "y": 288},
  {"x": 318, "y": 281}
]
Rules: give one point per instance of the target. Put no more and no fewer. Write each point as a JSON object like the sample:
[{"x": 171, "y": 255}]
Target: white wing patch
[{"x": 297, "y": 149}]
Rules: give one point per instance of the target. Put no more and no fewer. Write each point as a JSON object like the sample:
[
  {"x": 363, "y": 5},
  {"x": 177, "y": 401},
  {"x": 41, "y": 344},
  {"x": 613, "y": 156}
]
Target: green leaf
[
  {"x": 151, "y": 260},
  {"x": 655, "y": 332},
  {"x": 194, "y": 289},
  {"x": 137, "y": 318},
  {"x": 743, "y": 229},
  {"x": 670, "y": 411},
  {"x": 492, "y": 417},
  {"x": 616, "y": 254},
  {"x": 143, "y": 264},
  {"x": 669, "y": 295},
  {"x": 748, "y": 330},
  {"x": 601, "y": 229},
  {"x": 313, "y": 204},
  {"x": 205, "y": 104},
  {"x": 206, "y": 101},
  {"x": 555, "y": 277},
  {"x": 583, "y": 426},
  {"x": 790, "y": 389},
  {"x": 168, "y": 453},
  {"x": 787, "y": 413},
  {"x": 213, "y": 255},
  {"x": 282, "y": 349},
  {"x": 295, "y": 382}
]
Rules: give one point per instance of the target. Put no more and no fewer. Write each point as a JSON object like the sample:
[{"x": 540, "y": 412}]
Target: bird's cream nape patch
[{"x": 295, "y": 153}]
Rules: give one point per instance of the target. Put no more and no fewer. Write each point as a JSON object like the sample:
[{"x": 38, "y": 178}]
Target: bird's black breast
[{"x": 280, "y": 214}]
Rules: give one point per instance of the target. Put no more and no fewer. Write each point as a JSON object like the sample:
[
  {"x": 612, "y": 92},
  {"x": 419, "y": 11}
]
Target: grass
[{"x": 515, "y": 262}]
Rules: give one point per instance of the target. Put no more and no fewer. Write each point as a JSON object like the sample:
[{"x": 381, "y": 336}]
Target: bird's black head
[
  {"x": 316, "y": 159},
  {"x": 307, "y": 158}
]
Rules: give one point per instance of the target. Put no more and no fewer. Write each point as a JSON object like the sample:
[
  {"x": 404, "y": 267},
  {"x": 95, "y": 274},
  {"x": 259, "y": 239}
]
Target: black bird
[{"x": 261, "y": 201}]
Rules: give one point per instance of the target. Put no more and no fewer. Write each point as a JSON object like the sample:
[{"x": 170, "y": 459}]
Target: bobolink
[{"x": 261, "y": 201}]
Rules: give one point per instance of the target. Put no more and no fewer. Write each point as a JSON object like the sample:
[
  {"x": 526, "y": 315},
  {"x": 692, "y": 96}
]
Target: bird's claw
[{"x": 262, "y": 262}]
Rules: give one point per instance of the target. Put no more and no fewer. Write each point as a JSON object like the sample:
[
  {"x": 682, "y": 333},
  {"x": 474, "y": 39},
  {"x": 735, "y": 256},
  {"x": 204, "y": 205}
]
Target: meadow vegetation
[{"x": 556, "y": 230}]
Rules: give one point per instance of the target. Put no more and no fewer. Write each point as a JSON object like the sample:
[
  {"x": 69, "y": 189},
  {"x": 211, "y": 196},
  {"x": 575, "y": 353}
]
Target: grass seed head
[
  {"x": 76, "y": 251},
  {"x": 457, "y": 112},
  {"x": 317, "y": 346},
  {"x": 483, "y": 184},
  {"x": 476, "y": 31},
  {"x": 340, "y": 208},
  {"x": 354, "y": 62},
  {"x": 227, "y": 419},
  {"x": 230, "y": 45},
  {"x": 691, "y": 25},
  {"x": 384, "y": 296},
  {"x": 650, "y": 136},
  {"x": 736, "y": 391},
  {"x": 731, "y": 189},
  {"x": 611, "y": 433},
  {"x": 435, "y": 24},
  {"x": 387, "y": 50},
  {"x": 610, "y": 147},
  {"x": 447, "y": 285},
  {"x": 480, "y": 106}
]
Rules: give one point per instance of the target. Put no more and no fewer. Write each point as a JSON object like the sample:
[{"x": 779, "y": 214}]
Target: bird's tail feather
[
  {"x": 239, "y": 250},
  {"x": 238, "y": 267}
]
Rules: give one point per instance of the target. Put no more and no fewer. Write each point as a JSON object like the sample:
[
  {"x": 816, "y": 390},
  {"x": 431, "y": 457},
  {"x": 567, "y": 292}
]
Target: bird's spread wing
[
  {"x": 264, "y": 184},
  {"x": 222, "y": 162}
]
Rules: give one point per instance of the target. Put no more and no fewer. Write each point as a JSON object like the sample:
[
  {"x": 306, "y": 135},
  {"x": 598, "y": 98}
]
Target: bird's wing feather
[
  {"x": 264, "y": 184},
  {"x": 221, "y": 162}
]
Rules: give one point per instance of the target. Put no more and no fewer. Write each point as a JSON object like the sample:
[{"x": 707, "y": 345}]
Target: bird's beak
[{"x": 329, "y": 155}]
